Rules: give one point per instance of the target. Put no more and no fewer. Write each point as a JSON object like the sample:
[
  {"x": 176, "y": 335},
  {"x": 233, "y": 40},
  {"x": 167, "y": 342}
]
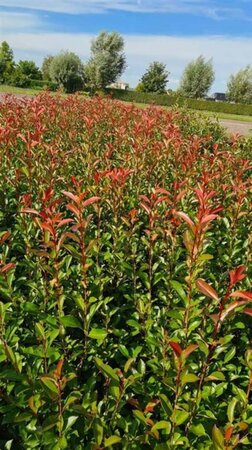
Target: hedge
[
  {"x": 42, "y": 84},
  {"x": 170, "y": 100}
]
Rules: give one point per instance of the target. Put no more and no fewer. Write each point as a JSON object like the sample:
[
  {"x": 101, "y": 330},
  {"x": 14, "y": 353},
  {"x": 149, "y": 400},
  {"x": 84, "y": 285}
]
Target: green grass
[{"x": 4, "y": 89}]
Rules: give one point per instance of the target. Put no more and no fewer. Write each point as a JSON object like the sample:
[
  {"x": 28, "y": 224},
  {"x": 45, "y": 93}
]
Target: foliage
[
  {"x": 125, "y": 275},
  {"x": 175, "y": 99},
  {"x": 239, "y": 88},
  {"x": 7, "y": 64},
  {"x": 139, "y": 87},
  {"x": 155, "y": 78},
  {"x": 197, "y": 78},
  {"x": 67, "y": 71},
  {"x": 45, "y": 69},
  {"x": 107, "y": 61},
  {"x": 24, "y": 72}
]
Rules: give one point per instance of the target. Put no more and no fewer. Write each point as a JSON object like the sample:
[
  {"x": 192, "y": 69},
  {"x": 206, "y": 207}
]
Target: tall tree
[
  {"x": 155, "y": 78},
  {"x": 107, "y": 60},
  {"x": 24, "y": 72},
  {"x": 239, "y": 87},
  {"x": 45, "y": 69},
  {"x": 7, "y": 64},
  {"x": 66, "y": 70},
  {"x": 197, "y": 78}
]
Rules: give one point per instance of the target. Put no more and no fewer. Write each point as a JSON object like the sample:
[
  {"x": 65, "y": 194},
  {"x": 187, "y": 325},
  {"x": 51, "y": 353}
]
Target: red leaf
[
  {"x": 74, "y": 209},
  {"x": 206, "y": 289},
  {"x": 208, "y": 218},
  {"x": 176, "y": 348},
  {"x": 30, "y": 211},
  {"x": 237, "y": 275},
  {"x": 189, "y": 350},
  {"x": 186, "y": 218},
  {"x": 4, "y": 237},
  {"x": 64, "y": 222},
  {"x": 162, "y": 191},
  {"x": 143, "y": 197},
  {"x": 90, "y": 200},
  {"x": 248, "y": 311},
  {"x": 242, "y": 294},
  {"x": 147, "y": 209},
  {"x": 231, "y": 308},
  {"x": 7, "y": 267},
  {"x": 58, "y": 370},
  {"x": 73, "y": 197},
  {"x": 228, "y": 433},
  {"x": 47, "y": 226}
]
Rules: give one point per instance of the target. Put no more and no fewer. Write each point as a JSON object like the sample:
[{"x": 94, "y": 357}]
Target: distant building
[
  {"x": 220, "y": 97},
  {"x": 119, "y": 85}
]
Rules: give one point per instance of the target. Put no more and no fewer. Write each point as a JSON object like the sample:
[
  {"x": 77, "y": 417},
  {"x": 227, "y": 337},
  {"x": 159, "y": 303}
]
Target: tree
[
  {"x": 66, "y": 70},
  {"x": 24, "y": 72},
  {"x": 239, "y": 87},
  {"x": 45, "y": 69},
  {"x": 107, "y": 61},
  {"x": 155, "y": 78},
  {"x": 197, "y": 78},
  {"x": 7, "y": 64}
]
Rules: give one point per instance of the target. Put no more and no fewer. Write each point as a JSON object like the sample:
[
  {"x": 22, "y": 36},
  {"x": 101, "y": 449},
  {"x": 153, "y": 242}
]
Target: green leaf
[
  {"x": 179, "y": 289},
  {"x": 162, "y": 425},
  {"x": 50, "y": 422},
  {"x": 111, "y": 441},
  {"x": 180, "y": 417},
  {"x": 231, "y": 408},
  {"x": 98, "y": 333},
  {"x": 189, "y": 378},
  {"x": 106, "y": 369},
  {"x": 8, "y": 444},
  {"x": 124, "y": 351},
  {"x": 50, "y": 384},
  {"x": 215, "y": 376},
  {"x": 140, "y": 416},
  {"x": 40, "y": 330},
  {"x": 229, "y": 355},
  {"x": 71, "y": 322},
  {"x": 166, "y": 404},
  {"x": 30, "y": 307},
  {"x": 98, "y": 431},
  {"x": 70, "y": 422},
  {"x": 218, "y": 439},
  {"x": 23, "y": 417},
  {"x": 198, "y": 430}
]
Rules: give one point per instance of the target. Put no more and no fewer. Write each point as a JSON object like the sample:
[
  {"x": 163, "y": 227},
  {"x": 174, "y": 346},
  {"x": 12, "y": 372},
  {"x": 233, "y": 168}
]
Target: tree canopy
[
  {"x": 66, "y": 70},
  {"x": 45, "y": 69},
  {"x": 7, "y": 64},
  {"x": 197, "y": 78},
  {"x": 107, "y": 61},
  {"x": 239, "y": 87},
  {"x": 155, "y": 78}
]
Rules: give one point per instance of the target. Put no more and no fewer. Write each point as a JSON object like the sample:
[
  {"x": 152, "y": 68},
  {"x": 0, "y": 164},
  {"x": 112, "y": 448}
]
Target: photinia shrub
[{"x": 125, "y": 278}]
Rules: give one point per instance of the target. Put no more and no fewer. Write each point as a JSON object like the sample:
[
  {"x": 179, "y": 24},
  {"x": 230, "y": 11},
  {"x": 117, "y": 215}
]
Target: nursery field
[{"x": 125, "y": 278}]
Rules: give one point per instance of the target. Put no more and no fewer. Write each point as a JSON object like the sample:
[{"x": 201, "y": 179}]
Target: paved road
[{"x": 233, "y": 126}]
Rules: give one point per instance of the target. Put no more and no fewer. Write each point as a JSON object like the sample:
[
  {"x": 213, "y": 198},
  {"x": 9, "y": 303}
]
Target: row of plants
[
  {"x": 36, "y": 84},
  {"x": 175, "y": 99},
  {"x": 125, "y": 278}
]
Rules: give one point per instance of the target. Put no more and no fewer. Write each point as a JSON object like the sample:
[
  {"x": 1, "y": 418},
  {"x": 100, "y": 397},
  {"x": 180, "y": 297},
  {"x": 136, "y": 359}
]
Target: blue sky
[{"x": 171, "y": 31}]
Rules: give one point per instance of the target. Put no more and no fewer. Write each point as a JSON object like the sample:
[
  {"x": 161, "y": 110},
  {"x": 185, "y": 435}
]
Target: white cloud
[
  {"x": 210, "y": 8},
  {"x": 229, "y": 54},
  {"x": 18, "y": 21}
]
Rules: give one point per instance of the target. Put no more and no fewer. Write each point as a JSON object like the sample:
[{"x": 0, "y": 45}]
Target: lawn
[{"x": 125, "y": 278}]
